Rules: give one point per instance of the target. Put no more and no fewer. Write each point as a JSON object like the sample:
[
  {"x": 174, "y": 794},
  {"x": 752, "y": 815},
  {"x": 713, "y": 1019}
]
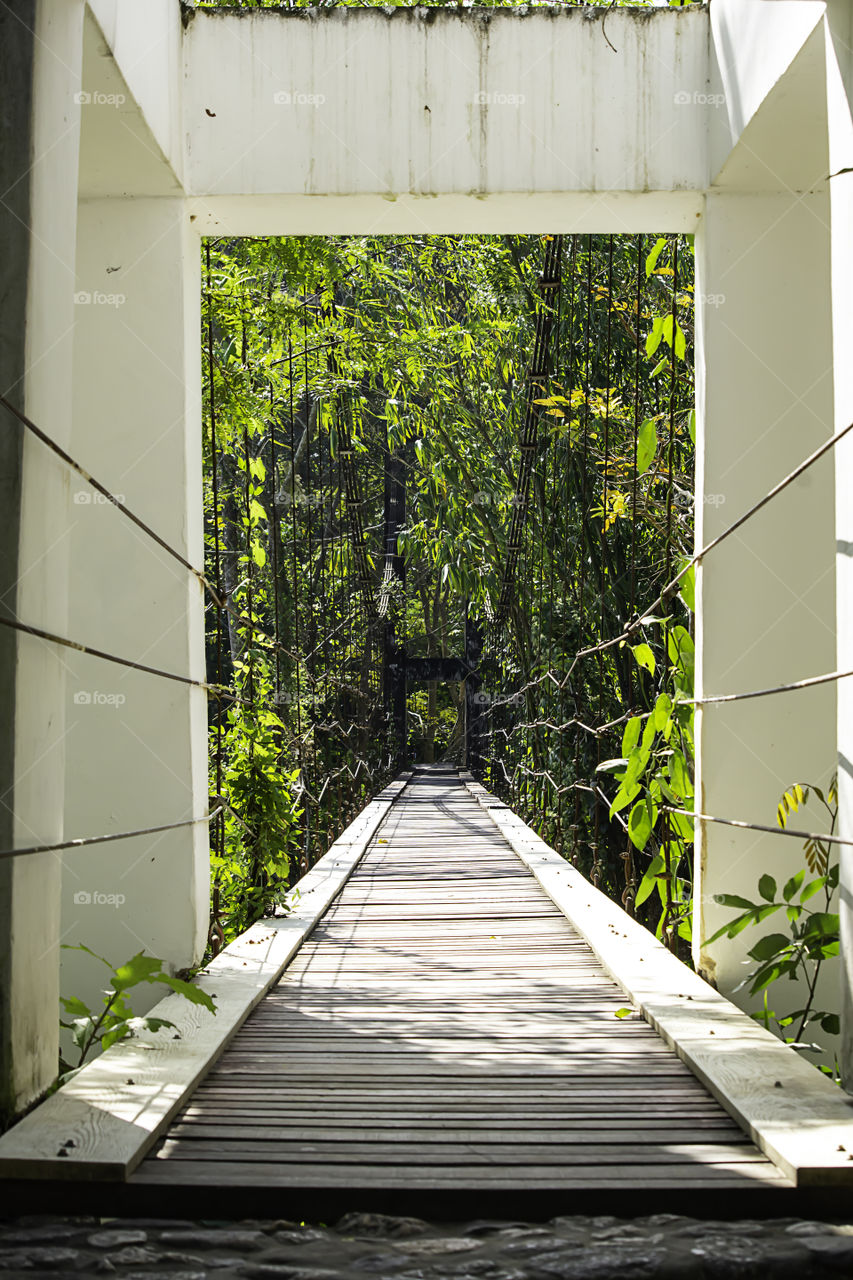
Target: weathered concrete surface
[{"x": 439, "y": 102}]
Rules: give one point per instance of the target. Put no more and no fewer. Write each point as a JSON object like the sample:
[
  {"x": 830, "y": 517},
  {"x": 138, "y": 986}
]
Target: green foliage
[
  {"x": 812, "y": 933},
  {"x": 261, "y": 823},
  {"x": 657, "y": 779},
  {"x": 98, "y": 1029},
  {"x": 438, "y": 4},
  {"x": 431, "y": 337}
]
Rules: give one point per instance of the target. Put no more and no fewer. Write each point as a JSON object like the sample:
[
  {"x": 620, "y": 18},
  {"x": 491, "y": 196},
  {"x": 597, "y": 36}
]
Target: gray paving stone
[
  {"x": 213, "y": 1238},
  {"x": 835, "y": 1251},
  {"x": 379, "y": 1247},
  {"x": 165, "y": 1275},
  {"x": 41, "y": 1258},
  {"x": 112, "y": 1239},
  {"x": 380, "y": 1224}
]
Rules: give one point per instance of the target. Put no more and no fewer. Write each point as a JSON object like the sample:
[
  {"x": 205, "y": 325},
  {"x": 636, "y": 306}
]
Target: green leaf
[
  {"x": 623, "y": 1013},
  {"x": 81, "y": 946},
  {"x": 654, "y": 338},
  {"x": 631, "y": 735},
  {"x": 640, "y": 825},
  {"x": 652, "y": 258},
  {"x": 649, "y": 880},
  {"x": 680, "y": 342},
  {"x": 83, "y": 1028},
  {"x": 772, "y": 944},
  {"x": 644, "y": 657},
  {"x": 193, "y": 993},
  {"x": 662, "y": 711},
  {"x": 681, "y": 649},
  {"x": 691, "y": 425},
  {"x": 611, "y": 766},
  {"x": 679, "y": 775},
  {"x": 822, "y": 924},
  {"x": 733, "y": 900},
  {"x": 768, "y": 974},
  {"x": 139, "y": 968},
  {"x": 624, "y": 796},
  {"x": 148, "y": 1023},
  {"x": 682, "y": 826},
  {"x": 119, "y": 1032},
  {"x": 831, "y": 1024},
  {"x": 813, "y": 887},
  {"x": 793, "y": 885},
  {"x": 687, "y": 588},
  {"x": 767, "y": 888},
  {"x": 71, "y": 1004},
  {"x": 647, "y": 445}
]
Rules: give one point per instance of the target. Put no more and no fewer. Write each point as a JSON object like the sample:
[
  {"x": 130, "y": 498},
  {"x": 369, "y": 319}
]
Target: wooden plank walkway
[{"x": 444, "y": 1029}]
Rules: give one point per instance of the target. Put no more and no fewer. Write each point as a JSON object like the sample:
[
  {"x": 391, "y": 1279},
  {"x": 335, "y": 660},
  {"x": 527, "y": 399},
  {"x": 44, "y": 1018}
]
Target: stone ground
[{"x": 662, "y": 1246}]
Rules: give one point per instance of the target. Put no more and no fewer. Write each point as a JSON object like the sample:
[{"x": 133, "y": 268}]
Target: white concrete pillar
[
  {"x": 38, "y": 215},
  {"x": 839, "y": 97},
  {"x": 137, "y": 743},
  {"x": 766, "y": 611}
]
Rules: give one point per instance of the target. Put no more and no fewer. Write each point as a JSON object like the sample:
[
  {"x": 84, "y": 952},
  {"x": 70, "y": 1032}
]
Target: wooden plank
[
  {"x": 447, "y": 1027},
  {"x": 739, "y": 1175},
  {"x": 115, "y": 1109},
  {"x": 507, "y": 1154},
  {"x": 254, "y": 1132},
  {"x": 429, "y": 1118},
  {"x": 802, "y": 1121}
]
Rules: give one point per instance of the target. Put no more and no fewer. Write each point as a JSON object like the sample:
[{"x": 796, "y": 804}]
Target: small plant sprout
[{"x": 100, "y": 1029}]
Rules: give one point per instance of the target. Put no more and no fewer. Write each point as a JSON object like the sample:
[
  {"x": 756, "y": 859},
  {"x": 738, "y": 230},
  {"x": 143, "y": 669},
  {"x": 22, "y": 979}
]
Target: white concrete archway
[{"x": 727, "y": 124}]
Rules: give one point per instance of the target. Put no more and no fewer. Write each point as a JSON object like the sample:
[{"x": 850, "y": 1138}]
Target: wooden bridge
[{"x": 444, "y": 1041}]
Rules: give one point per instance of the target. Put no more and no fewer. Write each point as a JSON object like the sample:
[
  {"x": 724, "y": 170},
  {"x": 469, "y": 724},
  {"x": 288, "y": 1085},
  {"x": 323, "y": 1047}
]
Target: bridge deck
[{"x": 444, "y": 1029}]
